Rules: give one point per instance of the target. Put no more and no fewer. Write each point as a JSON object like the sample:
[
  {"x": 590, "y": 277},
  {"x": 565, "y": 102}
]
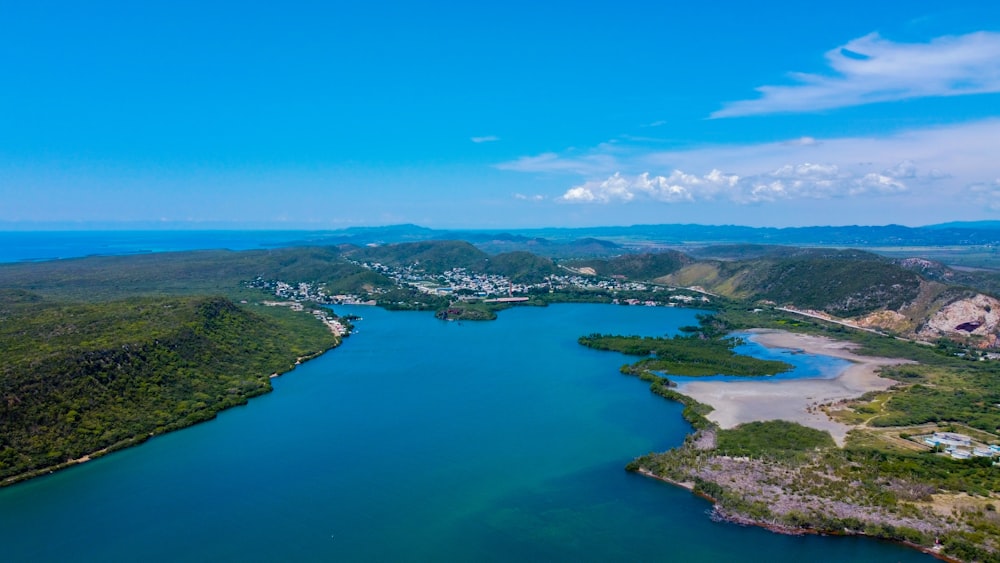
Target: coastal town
[{"x": 460, "y": 284}]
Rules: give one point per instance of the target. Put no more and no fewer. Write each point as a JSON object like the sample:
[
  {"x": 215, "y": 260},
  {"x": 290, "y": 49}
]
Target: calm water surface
[
  {"x": 417, "y": 440},
  {"x": 17, "y": 246}
]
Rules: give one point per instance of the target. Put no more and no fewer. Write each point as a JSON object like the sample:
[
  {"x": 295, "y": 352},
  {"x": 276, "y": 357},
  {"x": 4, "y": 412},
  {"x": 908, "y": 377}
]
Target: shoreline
[
  {"x": 133, "y": 441},
  {"x": 794, "y": 400},
  {"x": 736, "y": 402},
  {"x": 740, "y": 520}
]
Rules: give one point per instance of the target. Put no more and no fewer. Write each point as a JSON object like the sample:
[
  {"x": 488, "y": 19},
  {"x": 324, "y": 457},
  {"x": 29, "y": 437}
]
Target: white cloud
[
  {"x": 927, "y": 172},
  {"x": 677, "y": 187},
  {"x": 871, "y": 69},
  {"x": 791, "y": 181},
  {"x": 595, "y": 163},
  {"x": 485, "y": 139},
  {"x": 905, "y": 169},
  {"x": 523, "y": 197},
  {"x": 987, "y": 194}
]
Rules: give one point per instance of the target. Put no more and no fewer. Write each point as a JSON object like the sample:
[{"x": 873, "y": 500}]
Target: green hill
[
  {"x": 521, "y": 266},
  {"x": 427, "y": 256},
  {"x": 840, "y": 282},
  {"x": 646, "y": 266},
  {"x": 78, "y": 378},
  {"x": 185, "y": 273},
  {"x": 100, "y": 352}
]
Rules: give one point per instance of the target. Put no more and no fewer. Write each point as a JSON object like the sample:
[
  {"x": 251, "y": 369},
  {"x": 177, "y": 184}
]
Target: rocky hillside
[{"x": 912, "y": 297}]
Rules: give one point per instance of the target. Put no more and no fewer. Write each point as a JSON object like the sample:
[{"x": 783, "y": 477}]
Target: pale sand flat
[{"x": 736, "y": 402}]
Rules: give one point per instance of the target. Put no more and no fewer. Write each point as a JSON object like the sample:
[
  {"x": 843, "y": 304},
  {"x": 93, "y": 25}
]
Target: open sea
[{"x": 416, "y": 440}]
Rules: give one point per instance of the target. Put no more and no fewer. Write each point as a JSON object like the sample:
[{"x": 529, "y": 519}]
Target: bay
[{"x": 416, "y": 440}]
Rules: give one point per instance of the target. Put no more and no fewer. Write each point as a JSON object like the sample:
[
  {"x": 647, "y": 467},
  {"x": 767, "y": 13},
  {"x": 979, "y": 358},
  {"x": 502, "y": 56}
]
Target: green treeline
[
  {"x": 772, "y": 438},
  {"x": 685, "y": 355},
  {"x": 647, "y": 266},
  {"x": 78, "y": 378},
  {"x": 968, "y": 393}
]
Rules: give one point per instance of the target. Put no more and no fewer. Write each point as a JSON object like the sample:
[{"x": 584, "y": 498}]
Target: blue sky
[{"x": 521, "y": 114}]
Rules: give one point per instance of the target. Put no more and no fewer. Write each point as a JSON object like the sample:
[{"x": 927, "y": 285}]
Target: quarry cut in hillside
[{"x": 975, "y": 316}]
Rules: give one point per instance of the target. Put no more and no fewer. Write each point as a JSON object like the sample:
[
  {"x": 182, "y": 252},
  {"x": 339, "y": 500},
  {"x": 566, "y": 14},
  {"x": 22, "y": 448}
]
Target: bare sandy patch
[{"x": 737, "y": 402}]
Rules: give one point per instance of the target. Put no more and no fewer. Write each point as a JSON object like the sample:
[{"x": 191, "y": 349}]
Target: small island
[
  {"x": 696, "y": 355},
  {"x": 466, "y": 312}
]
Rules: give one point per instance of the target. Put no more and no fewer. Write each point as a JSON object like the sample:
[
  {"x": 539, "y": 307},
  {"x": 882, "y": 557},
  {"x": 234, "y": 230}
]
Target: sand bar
[{"x": 736, "y": 402}]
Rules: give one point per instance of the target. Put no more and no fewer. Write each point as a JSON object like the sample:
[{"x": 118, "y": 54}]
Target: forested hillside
[
  {"x": 184, "y": 273},
  {"x": 430, "y": 256},
  {"x": 843, "y": 283},
  {"x": 521, "y": 267},
  {"x": 77, "y": 378},
  {"x": 646, "y": 266}
]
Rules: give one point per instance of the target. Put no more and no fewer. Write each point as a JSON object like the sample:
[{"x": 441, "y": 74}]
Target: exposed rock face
[
  {"x": 890, "y": 320},
  {"x": 977, "y": 316}
]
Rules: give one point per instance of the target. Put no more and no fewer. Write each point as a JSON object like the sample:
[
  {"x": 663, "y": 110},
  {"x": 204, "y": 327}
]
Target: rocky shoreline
[{"x": 720, "y": 513}]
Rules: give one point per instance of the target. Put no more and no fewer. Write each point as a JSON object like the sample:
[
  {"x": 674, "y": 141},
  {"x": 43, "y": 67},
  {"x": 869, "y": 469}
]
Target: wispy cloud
[
  {"x": 596, "y": 162},
  {"x": 485, "y": 139},
  {"x": 987, "y": 193},
  {"x": 535, "y": 197},
  {"x": 872, "y": 69},
  {"x": 936, "y": 165}
]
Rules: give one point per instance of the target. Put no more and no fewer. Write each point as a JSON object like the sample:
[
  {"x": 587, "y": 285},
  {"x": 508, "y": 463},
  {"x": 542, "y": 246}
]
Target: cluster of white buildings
[
  {"x": 476, "y": 285},
  {"x": 960, "y": 446},
  {"x": 299, "y": 292},
  {"x": 464, "y": 285}
]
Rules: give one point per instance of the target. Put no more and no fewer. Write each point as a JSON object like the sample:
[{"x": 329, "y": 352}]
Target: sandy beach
[{"x": 736, "y": 402}]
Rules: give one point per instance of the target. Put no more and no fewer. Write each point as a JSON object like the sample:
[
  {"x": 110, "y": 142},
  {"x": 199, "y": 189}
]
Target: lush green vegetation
[
  {"x": 773, "y": 438},
  {"x": 694, "y": 412},
  {"x": 403, "y": 298},
  {"x": 468, "y": 312},
  {"x": 975, "y": 476},
  {"x": 427, "y": 256},
  {"x": 102, "y": 352},
  {"x": 844, "y": 283},
  {"x": 571, "y": 295},
  {"x": 798, "y": 475},
  {"x": 968, "y": 393},
  {"x": 218, "y": 272},
  {"x": 646, "y": 266},
  {"x": 840, "y": 282},
  {"x": 78, "y": 378},
  {"x": 689, "y": 355},
  {"x": 868, "y": 474},
  {"x": 521, "y": 266}
]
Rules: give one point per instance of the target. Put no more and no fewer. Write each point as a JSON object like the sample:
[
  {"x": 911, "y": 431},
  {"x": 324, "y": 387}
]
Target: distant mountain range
[{"x": 601, "y": 241}]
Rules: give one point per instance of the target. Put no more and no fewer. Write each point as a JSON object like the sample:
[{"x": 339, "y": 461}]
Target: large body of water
[
  {"x": 416, "y": 440},
  {"x": 16, "y": 246}
]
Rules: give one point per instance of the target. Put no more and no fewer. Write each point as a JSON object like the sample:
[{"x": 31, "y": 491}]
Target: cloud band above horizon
[{"x": 871, "y": 69}]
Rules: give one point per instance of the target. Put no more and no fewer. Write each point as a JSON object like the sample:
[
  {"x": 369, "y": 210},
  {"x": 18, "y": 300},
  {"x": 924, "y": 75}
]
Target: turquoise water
[
  {"x": 804, "y": 366},
  {"x": 417, "y": 440}
]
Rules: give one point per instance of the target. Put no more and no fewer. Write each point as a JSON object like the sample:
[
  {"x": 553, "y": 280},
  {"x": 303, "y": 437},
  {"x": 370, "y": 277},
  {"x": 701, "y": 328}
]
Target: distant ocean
[{"x": 17, "y": 246}]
